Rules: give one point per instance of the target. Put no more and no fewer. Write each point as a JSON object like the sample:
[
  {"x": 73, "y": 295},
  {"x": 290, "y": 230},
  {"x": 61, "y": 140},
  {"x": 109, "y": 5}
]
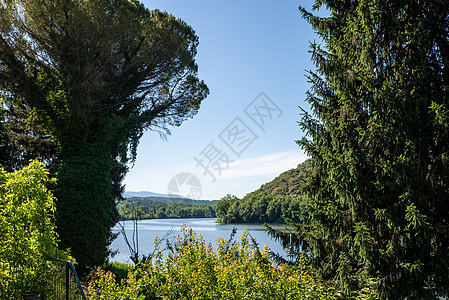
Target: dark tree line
[
  {"x": 258, "y": 209},
  {"x": 158, "y": 210}
]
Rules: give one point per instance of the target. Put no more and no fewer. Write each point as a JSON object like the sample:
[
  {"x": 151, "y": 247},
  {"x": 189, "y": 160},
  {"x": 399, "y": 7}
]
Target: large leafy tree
[
  {"x": 96, "y": 74},
  {"x": 378, "y": 138}
]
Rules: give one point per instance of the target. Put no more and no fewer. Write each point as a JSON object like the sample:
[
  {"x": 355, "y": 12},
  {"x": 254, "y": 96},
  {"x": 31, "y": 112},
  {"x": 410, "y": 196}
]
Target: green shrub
[
  {"x": 196, "y": 270},
  {"x": 120, "y": 270},
  {"x": 27, "y": 237}
]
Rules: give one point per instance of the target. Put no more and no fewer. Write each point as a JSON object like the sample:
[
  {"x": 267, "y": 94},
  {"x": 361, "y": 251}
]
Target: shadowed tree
[
  {"x": 96, "y": 74},
  {"x": 26, "y": 139}
]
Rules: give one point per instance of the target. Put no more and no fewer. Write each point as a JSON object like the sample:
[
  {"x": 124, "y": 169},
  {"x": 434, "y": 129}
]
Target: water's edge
[{"x": 169, "y": 228}]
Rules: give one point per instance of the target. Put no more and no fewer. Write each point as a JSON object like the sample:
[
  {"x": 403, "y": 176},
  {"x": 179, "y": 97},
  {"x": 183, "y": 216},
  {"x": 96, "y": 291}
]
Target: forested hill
[
  {"x": 288, "y": 183},
  {"x": 271, "y": 203},
  {"x": 165, "y": 207}
]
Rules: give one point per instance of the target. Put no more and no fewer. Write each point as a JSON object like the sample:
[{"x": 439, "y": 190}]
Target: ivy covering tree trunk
[
  {"x": 85, "y": 186},
  {"x": 378, "y": 138},
  {"x": 96, "y": 74}
]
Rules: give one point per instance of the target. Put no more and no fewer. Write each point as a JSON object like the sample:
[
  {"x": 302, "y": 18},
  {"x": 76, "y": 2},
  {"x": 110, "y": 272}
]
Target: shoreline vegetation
[
  {"x": 272, "y": 203},
  {"x": 165, "y": 208},
  {"x": 193, "y": 269}
]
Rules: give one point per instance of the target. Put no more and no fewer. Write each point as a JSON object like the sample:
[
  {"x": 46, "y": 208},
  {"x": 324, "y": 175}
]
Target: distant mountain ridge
[
  {"x": 142, "y": 197},
  {"x": 149, "y": 205},
  {"x": 147, "y": 194}
]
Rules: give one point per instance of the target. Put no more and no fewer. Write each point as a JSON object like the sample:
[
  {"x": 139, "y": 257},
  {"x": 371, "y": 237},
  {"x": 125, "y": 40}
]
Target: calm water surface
[{"x": 149, "y": 229}]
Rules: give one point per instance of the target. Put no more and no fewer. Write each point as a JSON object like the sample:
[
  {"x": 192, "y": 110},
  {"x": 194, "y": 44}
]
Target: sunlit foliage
[
  {"x": 196, "y": 270},
  {"x": 27, "y": 238}
]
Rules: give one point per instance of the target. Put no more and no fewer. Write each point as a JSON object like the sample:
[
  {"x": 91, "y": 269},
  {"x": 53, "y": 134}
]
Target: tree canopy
[
  {"x": 378, "y": 138},
  {"x": 96, "y": 74}
]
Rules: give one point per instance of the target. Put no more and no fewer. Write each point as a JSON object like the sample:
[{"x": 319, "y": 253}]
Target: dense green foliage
[
  {"x": 234, "y": 270},
  {"x": 223, "y": 205},
  {"x": 378, "y": 139},
  {"x": 27, "y": 237},
  {"x": 120, "y": 270},
  {"x": 95, "y": 75},
  {"x": 273, "y": 202},
  {"x": 148, "y": 208}
]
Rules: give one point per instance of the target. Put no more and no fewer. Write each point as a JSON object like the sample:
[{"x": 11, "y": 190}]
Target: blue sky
[{"x": 253, "y": 55}]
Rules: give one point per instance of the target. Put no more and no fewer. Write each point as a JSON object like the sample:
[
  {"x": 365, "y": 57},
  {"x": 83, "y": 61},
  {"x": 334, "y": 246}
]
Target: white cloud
[{"x": 271, "y": 164}]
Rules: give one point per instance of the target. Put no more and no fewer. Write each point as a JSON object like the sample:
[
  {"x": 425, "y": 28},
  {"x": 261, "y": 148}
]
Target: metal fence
[{"x": 65, "y": 284}]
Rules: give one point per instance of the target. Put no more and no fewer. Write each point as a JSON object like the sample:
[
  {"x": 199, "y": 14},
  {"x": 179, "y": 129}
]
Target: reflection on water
[{"x": 149, "y": 229}]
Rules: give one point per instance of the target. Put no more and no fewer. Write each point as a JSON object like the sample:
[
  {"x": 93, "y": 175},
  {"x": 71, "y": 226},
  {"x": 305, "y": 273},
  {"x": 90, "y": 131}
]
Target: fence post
[
  {"x": 67, "y": 278},
  {"x": 77, "y": 280}
]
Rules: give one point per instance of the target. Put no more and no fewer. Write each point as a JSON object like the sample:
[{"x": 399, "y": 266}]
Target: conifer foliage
[{"x": 378, "y": 138}]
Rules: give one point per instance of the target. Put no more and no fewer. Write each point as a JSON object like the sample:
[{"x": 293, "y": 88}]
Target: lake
[{"x": 149, "y": 229}]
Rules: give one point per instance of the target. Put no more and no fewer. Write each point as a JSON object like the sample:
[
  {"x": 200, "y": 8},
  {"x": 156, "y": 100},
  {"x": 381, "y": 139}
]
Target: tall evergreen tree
[
  {"x": 378, "y": 138},
  {"x": 97, "y": 74}
]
